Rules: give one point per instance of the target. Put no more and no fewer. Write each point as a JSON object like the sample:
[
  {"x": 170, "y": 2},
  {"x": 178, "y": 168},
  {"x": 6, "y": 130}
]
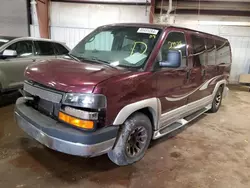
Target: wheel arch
[
  {"x": 150, "y": 107},
  {"x": 221, "y": 83}
]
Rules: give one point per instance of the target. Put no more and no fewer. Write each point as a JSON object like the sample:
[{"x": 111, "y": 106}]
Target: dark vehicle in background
[
  {"x": 124, "y": 85},
  {"x": 17, "y": 53}
]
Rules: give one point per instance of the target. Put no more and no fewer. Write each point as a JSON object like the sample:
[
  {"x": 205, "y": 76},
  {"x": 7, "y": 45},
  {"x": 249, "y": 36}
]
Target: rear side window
[
  {"x": 44, "y": 48},
  {"x": 198, "y": 46},
  {"x": 60, "y": 49},
  {"x": 219, "y": 44},
  {"x": 210, "y": 43},
  {"x": 223, "y": 55}
]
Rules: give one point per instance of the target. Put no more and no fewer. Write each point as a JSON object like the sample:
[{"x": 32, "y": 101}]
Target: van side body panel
[{"x": 167, "y": 85}]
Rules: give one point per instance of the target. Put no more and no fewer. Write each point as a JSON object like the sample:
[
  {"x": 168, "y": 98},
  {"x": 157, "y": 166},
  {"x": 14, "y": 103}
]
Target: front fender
[{"x": 153, "y": 104}]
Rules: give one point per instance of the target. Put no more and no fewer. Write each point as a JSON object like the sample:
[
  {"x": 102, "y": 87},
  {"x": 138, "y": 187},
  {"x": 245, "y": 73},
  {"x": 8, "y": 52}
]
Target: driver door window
[
  {"x": 174, "y": 41},
  {"x": 23, "y": 48}
]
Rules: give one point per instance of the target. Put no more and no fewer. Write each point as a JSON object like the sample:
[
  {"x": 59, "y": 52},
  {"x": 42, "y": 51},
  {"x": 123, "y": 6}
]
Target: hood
[{"x": 69, "y": 75}]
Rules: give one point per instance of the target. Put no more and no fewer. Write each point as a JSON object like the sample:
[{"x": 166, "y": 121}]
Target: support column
[
  {"x": 42, "y": 8},
  {"x": 152, "y": 11}
]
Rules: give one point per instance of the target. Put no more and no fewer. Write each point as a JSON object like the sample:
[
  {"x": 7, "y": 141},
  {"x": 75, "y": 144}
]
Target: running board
[{"x": 180, "y": 123}]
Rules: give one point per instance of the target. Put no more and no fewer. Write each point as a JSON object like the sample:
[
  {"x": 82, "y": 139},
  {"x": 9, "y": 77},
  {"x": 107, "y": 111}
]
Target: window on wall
[
  {"x": 23, "y": 48},
  {"x": 199, "y": 52},
  {"x": 175, "y": 41},
  {"x": 44, "y": 48}
]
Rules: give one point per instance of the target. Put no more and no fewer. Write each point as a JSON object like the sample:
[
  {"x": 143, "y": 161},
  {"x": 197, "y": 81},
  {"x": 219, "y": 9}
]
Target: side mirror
[
  {"x": 173, "y": 59},
  {"x": 9, "y": 53}
]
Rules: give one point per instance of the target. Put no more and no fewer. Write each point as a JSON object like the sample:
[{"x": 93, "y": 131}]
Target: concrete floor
[{"x": 211, "y": 152}]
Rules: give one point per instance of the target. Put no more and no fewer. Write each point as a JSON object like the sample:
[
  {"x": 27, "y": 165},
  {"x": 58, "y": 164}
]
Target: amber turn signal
[{"x": 76, "y": 122}]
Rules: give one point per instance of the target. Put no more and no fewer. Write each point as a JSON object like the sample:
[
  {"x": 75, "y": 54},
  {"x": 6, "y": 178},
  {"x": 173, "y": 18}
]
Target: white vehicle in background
[{"x": 17, "y": 53}]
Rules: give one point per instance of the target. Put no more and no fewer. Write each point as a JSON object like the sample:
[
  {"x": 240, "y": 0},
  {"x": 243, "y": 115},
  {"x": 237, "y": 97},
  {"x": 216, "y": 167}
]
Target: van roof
[{"x": 162, "y": 26}]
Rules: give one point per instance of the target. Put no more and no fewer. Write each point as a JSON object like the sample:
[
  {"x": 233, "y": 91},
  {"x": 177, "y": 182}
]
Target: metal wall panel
[
  {"x": 70, "y": 22},
  {"x": 13, "y": 18}
]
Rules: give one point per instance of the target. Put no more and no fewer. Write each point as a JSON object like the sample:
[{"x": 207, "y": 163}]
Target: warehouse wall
[
  {"x": 13, "y": 18},
  {"x": 70, "y": 22},
  {"x": 235, "y": 29}
]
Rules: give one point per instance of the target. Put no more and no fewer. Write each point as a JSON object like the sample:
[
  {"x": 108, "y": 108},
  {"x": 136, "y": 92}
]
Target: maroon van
[{"x": 122, "y": 86}]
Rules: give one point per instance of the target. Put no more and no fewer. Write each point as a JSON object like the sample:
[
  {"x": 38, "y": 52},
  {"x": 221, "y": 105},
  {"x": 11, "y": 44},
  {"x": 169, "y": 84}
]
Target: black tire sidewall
[{"x": 119, "y": 155}]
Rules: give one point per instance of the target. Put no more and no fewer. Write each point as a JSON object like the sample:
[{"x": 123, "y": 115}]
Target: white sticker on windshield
[
  {"x": 135, "y": 58},
  {"x": 148, "y": 31}
]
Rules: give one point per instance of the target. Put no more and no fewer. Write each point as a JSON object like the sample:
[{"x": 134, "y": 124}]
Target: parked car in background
[
  {"x": 17, "y": 53},
  {"x": 124, "y": 85}
]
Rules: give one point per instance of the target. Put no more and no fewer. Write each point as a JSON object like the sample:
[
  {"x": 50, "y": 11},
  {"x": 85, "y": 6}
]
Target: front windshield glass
[{"x": 118, "y": 46}]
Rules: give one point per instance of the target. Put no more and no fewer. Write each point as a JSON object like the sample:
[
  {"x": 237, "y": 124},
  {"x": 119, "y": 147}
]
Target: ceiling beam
[
  {"x": 205, "y": 5},
  {"x": 208, "y": 12}
]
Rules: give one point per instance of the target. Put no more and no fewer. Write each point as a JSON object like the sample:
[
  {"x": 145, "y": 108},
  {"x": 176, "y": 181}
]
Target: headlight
[{"x": 94, "y": 101}]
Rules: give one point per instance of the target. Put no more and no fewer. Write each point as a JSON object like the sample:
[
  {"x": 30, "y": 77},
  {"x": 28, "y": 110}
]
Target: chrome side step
[{"x": 180, "y": 123}]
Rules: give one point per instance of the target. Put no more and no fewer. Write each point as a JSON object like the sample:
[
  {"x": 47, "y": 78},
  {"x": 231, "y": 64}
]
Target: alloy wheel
[{"x": 136, "y": 141}]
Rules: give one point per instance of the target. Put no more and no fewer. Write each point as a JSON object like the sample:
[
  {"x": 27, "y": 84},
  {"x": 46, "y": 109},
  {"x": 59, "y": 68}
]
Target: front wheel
[
  {"x": 217, "y": 100},
  {"x": 133, "y": 141}
]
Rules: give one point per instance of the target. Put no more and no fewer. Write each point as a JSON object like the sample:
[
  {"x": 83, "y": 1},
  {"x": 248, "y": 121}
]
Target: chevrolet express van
[{"x": 122, "y": 86}]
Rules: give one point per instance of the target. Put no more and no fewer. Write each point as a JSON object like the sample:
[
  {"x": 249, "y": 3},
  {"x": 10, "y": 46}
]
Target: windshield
[{"x": 118, "y": 46}]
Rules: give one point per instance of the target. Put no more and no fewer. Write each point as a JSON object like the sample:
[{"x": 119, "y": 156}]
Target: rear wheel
[
  {"x": 217, "y": 100},
  {"x": 133, "y": 140}
]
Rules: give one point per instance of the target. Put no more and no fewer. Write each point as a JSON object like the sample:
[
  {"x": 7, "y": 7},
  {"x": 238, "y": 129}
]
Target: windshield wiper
[
  {"x": 97, "y": 60},
  {"x": 73, "y": 57},
  {"x": 103, "y": 62}
]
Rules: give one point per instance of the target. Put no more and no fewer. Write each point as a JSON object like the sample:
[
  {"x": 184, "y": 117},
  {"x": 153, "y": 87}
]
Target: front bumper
[{"x": 61, "y": 137}]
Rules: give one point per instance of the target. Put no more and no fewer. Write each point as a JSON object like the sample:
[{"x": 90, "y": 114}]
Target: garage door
[
  {"x": 70, "y": 22},
  {"x": 13, "y": 18}
]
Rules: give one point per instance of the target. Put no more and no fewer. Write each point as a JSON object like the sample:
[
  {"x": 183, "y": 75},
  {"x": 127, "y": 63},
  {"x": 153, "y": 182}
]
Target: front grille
[
  {"x": 43, "y": 92},
  {"x": 46, "y": 100}
]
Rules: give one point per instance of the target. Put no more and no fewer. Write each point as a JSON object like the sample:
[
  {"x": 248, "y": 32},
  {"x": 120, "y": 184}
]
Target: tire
[
  {"x": 133, "y": 140},
  {"x": 217, "y": 100}
]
